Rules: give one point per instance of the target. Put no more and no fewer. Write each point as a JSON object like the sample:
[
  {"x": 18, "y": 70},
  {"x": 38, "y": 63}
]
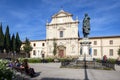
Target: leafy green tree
[
  {"x": 1, "y": 39},
  {"x": 7, "y": 40},
  {"x": 119, "y": 51},
  {"x": 13, "y": 43},
  {"x": 27, "y": 47},
  {"x": 18, "y": 43},
  {"x": 55, "y": 47}
]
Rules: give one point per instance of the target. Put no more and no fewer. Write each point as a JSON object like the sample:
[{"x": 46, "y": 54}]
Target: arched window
[
  {"x": 43, "y": 44},
  {"x": 34, "y": 44}
]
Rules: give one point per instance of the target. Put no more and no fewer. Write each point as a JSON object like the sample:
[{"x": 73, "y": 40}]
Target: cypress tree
[
  {"x": 7, "y": 40},
  {"x": 13, "y": 44},
  {"x": 27, "y": 47},
  {"x": 1, "y": 39},
  {"x": 18, "y": 43}
]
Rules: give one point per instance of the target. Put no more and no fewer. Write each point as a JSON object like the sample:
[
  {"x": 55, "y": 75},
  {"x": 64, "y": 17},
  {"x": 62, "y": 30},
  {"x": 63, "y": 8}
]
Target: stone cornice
[
  {"x": 62, "y": 39},
  {"x": 102, "y": 37},
  {"x": 63, "y": 23},
  {"x": 61, "y": 16}
]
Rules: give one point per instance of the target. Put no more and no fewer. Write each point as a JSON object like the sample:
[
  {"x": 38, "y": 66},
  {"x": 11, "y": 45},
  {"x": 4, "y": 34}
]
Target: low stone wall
[
  {"x": 10, "y": 55},
  {"x": 87, "y": 64}
]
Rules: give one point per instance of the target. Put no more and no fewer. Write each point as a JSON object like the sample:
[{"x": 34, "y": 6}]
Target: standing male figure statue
[{"x": 86, "y": 26}]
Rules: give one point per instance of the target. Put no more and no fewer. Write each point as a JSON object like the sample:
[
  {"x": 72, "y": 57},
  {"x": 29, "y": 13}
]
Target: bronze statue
[{"x": 86, "y": 26}]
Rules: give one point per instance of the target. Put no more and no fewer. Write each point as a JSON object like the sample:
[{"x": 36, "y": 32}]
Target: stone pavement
[
  {"x": 52, "y": 71},
  {"x": 117, "y": 67}
]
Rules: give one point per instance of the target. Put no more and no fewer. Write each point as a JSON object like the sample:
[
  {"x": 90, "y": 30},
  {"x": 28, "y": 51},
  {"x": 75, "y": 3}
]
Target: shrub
[
  {"x": 98, "y": 60},
  {"x": 49, "y": 60},
  {"x": 65, "y": 59},
  {"x": 5, "y": 72},
  {"x": 34, "y": 60},
  {"x": 119, "y": 51},
  {"x": 37, "y": 60},
  {"x": 46, "y": 60},
  {"x": 112, "y": 61}
]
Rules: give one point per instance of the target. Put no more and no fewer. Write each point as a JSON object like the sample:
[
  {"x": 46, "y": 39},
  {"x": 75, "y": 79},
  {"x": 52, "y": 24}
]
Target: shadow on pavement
[
  {"x": 86, "y": 76},
  {"x": 59, "y": 79},
  {"x": 36, "y": 74},
  {"x": 31, "y": 78},
  {"x": 85, "y": 71}
]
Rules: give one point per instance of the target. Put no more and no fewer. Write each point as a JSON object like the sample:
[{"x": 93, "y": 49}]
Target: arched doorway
[{"x": 61, "y": 51}]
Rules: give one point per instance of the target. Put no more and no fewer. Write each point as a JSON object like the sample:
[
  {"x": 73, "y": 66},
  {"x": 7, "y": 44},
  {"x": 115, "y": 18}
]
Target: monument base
[
  {"x": 85, "y": 53},
  {"x": 89, "y": 59},
  {"x": 85, "y": 58},
  {"x": 81, "y": 58}
]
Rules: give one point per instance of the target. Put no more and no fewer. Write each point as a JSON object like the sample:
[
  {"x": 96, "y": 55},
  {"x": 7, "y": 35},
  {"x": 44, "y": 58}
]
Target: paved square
[{"x": 52, "y": 71}]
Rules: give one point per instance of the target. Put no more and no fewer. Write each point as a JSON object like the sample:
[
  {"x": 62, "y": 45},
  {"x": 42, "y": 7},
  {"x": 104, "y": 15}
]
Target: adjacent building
[{"x": 62, "y": 35}]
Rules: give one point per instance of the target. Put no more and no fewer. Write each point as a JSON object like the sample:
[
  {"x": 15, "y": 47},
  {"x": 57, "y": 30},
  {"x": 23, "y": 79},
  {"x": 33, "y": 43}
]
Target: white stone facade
[
  {"x": 63, "y": 30},
  {"x": 108, "y": 46}
]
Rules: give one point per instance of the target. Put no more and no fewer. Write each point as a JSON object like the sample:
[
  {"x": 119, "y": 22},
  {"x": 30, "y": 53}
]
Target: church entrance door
[
  {"x": 61, "y": 53},
  {"x": 61, "y": 49}
]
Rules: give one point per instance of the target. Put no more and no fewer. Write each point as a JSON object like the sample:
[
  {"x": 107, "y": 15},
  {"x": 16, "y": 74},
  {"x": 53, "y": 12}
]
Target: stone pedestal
[{"x": 85, "y": 50}]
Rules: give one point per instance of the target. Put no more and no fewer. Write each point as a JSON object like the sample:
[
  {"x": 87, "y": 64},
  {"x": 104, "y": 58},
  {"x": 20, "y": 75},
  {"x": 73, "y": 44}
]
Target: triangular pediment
[
  {"x": 62, "y": 13},
  {"x": 61, "y": 47}
]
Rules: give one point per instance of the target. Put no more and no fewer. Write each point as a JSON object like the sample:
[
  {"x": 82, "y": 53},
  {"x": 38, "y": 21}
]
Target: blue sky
[{"x": 28, "y": 17}]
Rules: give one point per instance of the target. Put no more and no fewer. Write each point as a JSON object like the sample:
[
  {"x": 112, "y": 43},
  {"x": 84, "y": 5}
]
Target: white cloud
[{"x": 107, "y": 7}]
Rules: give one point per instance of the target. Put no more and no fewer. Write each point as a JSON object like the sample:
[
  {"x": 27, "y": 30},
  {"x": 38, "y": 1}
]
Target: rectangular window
[
  {"x": 95, "y": 52},
  {"x": 95, "y": 42},
  {"x": 111, "y": 52},
  {"x": 43, "y": 44},
  {"x": 34, "y": 52},
  {"x": 111, "y": 42},
  {"x": 61, "y": 33}
]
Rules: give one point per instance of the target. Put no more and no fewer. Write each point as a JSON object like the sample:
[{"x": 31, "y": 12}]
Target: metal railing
[{"x": 87, "y": 64}]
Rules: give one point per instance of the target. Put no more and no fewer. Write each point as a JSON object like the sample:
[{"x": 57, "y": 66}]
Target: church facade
[{"x": 62, "y": 40}]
